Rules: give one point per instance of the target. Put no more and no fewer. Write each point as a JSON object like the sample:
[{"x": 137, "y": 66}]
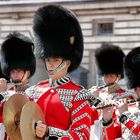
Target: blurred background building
[{"x": 102, "y": 21}]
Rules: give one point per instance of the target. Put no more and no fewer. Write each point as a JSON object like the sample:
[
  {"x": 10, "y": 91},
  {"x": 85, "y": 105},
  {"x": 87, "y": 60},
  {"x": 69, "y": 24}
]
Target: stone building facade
[{"x": 102, "y": 21}]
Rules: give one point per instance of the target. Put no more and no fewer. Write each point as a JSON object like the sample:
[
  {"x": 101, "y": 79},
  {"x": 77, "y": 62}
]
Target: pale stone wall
[
  {"x": 126, "y": 32},
  {"x": 125, "y": 15}
]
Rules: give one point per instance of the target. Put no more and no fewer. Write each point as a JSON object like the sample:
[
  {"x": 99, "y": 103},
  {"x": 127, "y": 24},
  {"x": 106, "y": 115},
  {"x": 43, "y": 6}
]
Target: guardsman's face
[
  {"x": 52, "y": 63},
  {"x": 16, "y": 74},
  {"x": 110, "y": 78},
  {"x": 137, "y": 90},
  {"x": 55, "y": 69}
]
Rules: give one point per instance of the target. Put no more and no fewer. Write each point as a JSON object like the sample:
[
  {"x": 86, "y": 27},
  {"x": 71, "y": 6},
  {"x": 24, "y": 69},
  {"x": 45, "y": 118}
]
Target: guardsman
[
  {"x": 59, "y": 43},
  {"x": 17, "y": 63}
]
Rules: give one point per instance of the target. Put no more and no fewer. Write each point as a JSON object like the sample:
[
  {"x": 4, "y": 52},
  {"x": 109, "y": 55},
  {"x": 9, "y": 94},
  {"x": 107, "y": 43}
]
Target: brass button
[{"x": 52, "y": 90}]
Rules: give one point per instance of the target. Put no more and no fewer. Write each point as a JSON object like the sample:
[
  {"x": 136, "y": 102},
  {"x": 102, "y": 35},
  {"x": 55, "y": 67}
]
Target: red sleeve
[
  {"x": 132, "y": 123},
  {"x": 81, "y": 121},
  {"x": 94, "y": 115},
  {"x": 1, "y": 111},
  {"x": 0, "y": 114}
]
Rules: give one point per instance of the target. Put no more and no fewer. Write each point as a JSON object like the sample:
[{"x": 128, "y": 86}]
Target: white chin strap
[
  {"x": 58, "y": 69},
  {"x": 117, "y": 80}
]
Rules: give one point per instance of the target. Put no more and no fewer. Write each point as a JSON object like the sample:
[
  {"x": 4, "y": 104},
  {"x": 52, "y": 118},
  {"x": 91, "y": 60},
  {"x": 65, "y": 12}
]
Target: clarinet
[
  {"x": 107, "y": 85},
  {"x": 128, "y": 102}
]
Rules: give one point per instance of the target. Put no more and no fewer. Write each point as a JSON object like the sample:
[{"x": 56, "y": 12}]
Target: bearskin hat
[
  {"x": 57, "y": 33},
  {"x": 109, "y": 59},
  {"x": 17, "y": 53},
  {"x": 2, "y": 75},
  {"x": 132, "y": 68}
]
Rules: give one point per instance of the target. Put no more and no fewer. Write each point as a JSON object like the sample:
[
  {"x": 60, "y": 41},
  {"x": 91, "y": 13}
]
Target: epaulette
[{"x": 85, "y": 94}]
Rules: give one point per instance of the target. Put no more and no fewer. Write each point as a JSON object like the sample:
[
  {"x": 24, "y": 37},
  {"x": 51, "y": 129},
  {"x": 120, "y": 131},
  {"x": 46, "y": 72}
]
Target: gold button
[{"x": 52, "y": 90}]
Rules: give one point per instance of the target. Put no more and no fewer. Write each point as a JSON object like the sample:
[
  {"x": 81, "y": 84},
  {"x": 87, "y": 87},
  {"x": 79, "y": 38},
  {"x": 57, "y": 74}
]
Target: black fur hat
[
  {"x": 109, "y": 60},
  {"x": 57, "y": 33},
  {"x": 16, "y": 52},
  {"x": 132, "y": 68},
  {"x": 2, "y": 75}
]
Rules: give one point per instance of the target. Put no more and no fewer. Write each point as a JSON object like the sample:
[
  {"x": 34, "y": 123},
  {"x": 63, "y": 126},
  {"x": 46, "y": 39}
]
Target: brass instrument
[
  {"x": 30, "y": 114},
  {"x": 128, "y": 102},
  {"x": 20, "y": 116},
  {"x": 11, "y": 115}
]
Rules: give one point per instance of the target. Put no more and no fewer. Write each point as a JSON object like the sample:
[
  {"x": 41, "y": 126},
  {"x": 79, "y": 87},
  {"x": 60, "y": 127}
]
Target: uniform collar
[{"x": 59, "y": 82}]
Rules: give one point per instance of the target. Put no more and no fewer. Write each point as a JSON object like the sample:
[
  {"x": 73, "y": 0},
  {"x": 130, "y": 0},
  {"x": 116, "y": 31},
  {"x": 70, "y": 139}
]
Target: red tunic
[
  {"x": 65, "y": 117},
  {"x": 128, "y": 129},
  {"x": 6, "y": 95},
  {"x": 107, "y": 129}
]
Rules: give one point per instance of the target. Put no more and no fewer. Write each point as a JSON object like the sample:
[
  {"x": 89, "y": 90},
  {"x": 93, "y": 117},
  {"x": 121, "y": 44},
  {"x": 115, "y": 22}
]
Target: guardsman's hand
[
  {"x": 41, "y": 129},
  {"x": 3, "y": 84},
  {"x": 122, "y": 106},
  {"x": 107, "y": 112},
  {"x": 94, "y": 91}
]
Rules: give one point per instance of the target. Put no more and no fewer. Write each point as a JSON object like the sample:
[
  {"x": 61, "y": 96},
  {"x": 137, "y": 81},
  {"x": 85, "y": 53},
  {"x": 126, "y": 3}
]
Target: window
[{"x": 103, "y": 27}]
